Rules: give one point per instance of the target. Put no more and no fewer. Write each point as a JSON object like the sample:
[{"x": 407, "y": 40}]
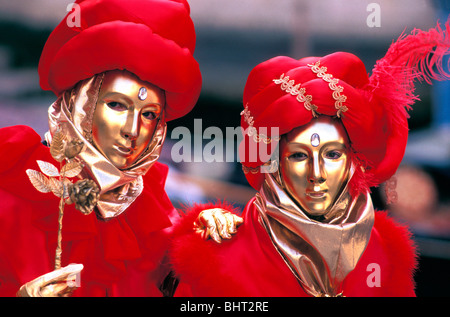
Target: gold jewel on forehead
[
  {"x": 290, "y": 88},
  {"x": 142, "y": 95},
  {"x": 315, "y": 140},
  {"x": 251, "y": 130},
  {"x": 336, "y": 89}
]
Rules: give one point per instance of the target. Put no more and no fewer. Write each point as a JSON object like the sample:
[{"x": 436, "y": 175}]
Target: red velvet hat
[
  {"x": 287, "y": 93},
  {"x": 153, "y": 39}
]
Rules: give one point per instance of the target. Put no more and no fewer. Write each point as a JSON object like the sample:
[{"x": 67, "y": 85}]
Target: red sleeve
[
  {"x": 20, "y": 147},
  {"x": 392, "y": 249},
  {"x": 401, "y": 251},
  {"x": 16, "y": 141},
  {"x": 185, "y": 240},
  {"x": 23, "y": 250}
]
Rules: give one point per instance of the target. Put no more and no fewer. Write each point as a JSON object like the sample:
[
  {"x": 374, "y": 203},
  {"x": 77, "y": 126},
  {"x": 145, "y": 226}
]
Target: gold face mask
[
  {"x": 125, "y": 117},
  {"x": 315, "y": 164}
]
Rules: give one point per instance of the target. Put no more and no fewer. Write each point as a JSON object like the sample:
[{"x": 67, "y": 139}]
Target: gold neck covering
[
  {"x": 320, "y": 254},
  {"x": 72, "y": 112}
]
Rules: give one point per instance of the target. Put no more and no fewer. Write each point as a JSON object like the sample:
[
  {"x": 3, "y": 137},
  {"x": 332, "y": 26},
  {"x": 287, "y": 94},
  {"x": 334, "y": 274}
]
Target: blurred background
[{"x": 233, "y": 36}]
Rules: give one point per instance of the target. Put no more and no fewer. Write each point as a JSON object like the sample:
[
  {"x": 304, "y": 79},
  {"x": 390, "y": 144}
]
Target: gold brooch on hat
[
  {"x": 321, "y": 72},
  {"x": 289, "y": 87},
  {"x": 251, "y": 130}
]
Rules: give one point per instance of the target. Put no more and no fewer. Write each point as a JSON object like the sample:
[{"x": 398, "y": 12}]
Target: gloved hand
[
  {"x": 217, "y": 224},
  {"x": 58, "y": 283}
]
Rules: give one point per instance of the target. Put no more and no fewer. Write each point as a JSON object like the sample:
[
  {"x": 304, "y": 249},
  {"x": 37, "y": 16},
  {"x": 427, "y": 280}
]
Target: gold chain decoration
[
  {"x": 333, "y": 84},
  {"x": 247, "y": 116},
  {"x": 289, "y": 87},
  {"x": 326, "y": 295},
  {"x": 253, "y": 170},
  {"x": 271, "y": 167},
  {"x": 252, "y": 132},
  {"x": 390, "y": 190}
]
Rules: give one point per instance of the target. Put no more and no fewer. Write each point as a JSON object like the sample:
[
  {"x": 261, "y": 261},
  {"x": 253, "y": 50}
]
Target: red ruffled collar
[{"x": 121, "y": 237}]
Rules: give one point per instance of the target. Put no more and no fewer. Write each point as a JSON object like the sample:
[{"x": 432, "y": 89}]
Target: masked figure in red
[
  {"x": 119, "y": 76},
  {"x": 331, "y": 132}
]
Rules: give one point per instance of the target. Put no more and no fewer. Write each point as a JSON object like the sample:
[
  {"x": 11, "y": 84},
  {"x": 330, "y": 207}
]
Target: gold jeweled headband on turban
[{"x": 72, "y": 113}]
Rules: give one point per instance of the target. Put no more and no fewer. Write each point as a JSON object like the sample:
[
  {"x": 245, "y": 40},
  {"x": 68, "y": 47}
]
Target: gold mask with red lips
[{"x": 315, "y": 164}]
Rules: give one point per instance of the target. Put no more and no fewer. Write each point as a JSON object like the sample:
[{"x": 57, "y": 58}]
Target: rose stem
[
  {"x": 60, "y": 218},
  {"x": 58, "y": 247}
]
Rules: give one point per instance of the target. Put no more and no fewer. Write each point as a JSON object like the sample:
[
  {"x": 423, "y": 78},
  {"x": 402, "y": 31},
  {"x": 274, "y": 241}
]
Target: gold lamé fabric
[
  {"x": 72, "y": 112},
  {"x": 319, "y": 254}
]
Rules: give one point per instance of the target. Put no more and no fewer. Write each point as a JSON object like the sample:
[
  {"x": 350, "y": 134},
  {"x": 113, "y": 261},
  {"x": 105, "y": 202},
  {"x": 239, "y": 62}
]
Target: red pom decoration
[{"x": 154, "y": 39}]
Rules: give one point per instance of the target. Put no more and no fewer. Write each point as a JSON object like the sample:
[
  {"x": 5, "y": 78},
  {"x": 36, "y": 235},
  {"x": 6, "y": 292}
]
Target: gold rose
[{"x": 84, "y": 193}]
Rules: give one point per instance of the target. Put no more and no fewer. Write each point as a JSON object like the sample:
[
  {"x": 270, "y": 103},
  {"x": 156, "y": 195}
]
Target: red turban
[
  {"x": 286, "y": 93},
  {"x": 154, "y": 39}
]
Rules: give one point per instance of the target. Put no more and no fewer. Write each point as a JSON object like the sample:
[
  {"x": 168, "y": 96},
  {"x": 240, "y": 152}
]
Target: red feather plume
[{"x": 417, "y": 56}]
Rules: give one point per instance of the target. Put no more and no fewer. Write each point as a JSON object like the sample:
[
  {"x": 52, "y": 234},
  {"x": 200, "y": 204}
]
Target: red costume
[
  {"x": 250, "y": 266},
  {"x": 123, "y": 255},
  {"x": 280, "y": 250}
]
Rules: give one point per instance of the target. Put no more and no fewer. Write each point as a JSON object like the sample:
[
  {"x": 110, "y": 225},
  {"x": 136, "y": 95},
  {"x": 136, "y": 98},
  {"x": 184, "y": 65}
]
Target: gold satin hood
[
  {"x": 319, "y": 254},
  {"x": 72, "y": 112}
]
